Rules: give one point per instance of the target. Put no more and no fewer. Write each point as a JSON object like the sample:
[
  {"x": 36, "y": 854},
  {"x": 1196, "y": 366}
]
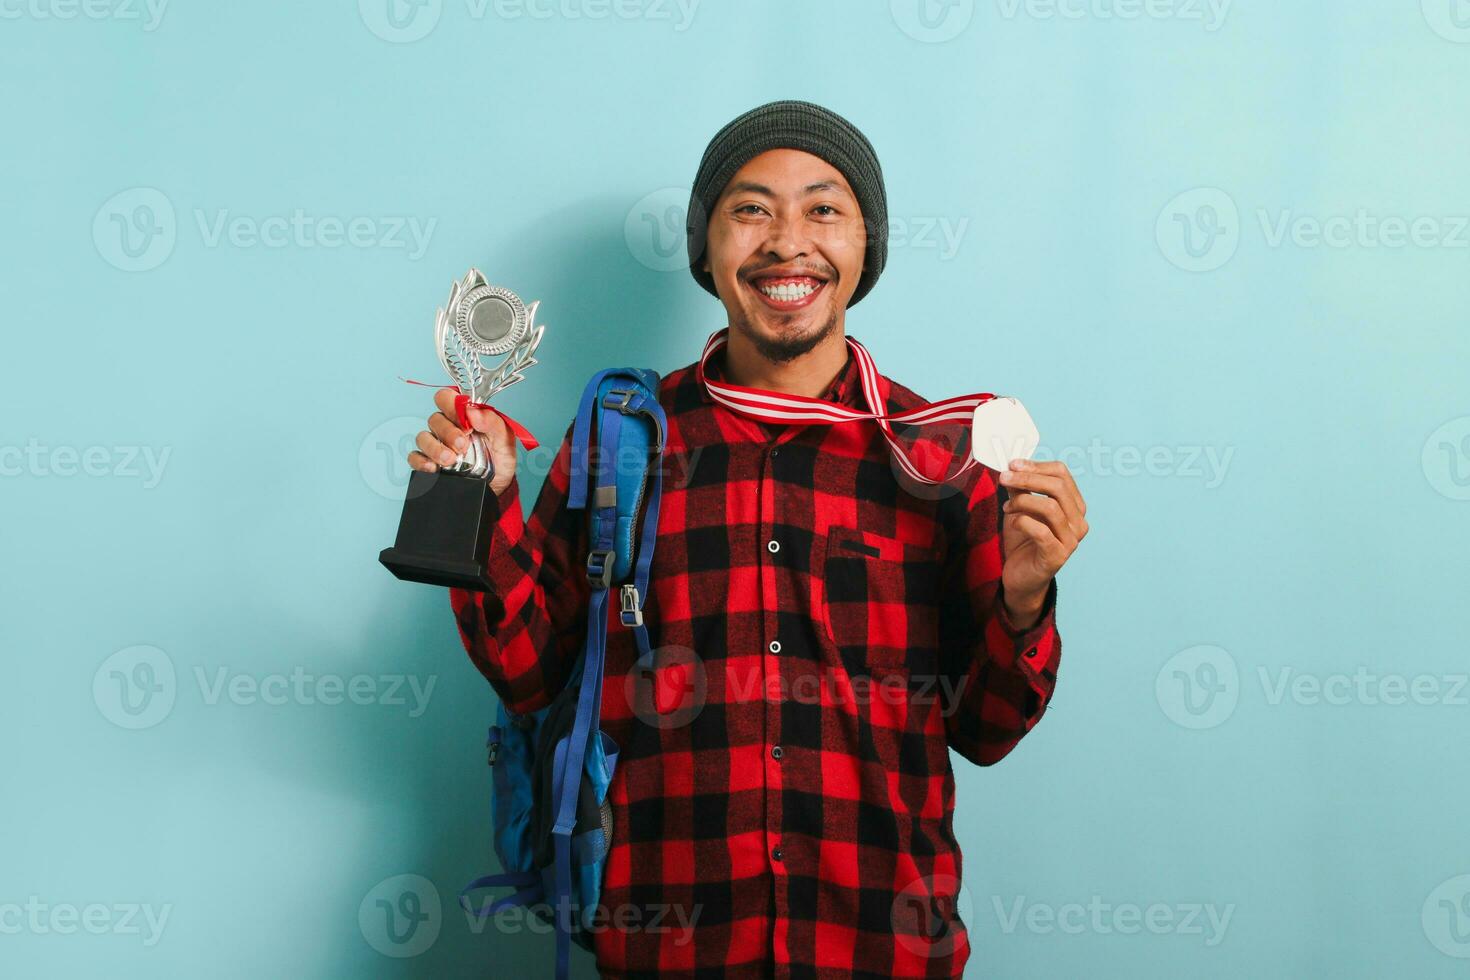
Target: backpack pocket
[{"x": 512, "y": 742}]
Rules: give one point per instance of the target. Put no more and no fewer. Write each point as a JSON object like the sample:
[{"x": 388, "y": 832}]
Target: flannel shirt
[{"x": 826, "y": 631}]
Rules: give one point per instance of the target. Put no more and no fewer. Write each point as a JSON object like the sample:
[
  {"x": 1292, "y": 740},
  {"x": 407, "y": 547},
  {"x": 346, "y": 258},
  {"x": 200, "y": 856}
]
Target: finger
[
  {"x": 1054, "y": 476},
  {"x": 444, "y": 399},
  {"x": 1026, "y": 482},
  {"x": 1053, "y": 486},
  {"x": 435, "y": 450},
  {"x": 1047, "y": 511},
  {"x": 1052, "y": 551},
  {"x": 422, "y": 463},
  {"x": 488, "y": 422},
  {"x": 1060, "y": 470},
  {"x": 448, "y": 433}
]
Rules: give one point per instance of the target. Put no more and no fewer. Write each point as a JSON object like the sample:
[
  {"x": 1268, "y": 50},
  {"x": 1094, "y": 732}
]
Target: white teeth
[{"x": 788, "y": 293}]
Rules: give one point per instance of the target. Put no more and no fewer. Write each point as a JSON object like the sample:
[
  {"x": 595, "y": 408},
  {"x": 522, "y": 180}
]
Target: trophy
[{"x": 449, "y": 515}]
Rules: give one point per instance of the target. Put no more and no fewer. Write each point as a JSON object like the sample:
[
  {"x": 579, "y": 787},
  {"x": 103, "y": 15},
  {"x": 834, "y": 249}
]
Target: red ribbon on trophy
[{"x": 462, "y": 402}]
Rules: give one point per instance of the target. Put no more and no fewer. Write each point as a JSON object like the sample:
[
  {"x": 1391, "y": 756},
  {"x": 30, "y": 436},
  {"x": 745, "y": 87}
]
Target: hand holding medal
[{"x": 1042, "y": 525}]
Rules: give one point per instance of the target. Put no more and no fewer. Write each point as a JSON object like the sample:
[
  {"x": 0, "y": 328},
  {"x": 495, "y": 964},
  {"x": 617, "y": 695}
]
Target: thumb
[{"x": 489, "y": 422}]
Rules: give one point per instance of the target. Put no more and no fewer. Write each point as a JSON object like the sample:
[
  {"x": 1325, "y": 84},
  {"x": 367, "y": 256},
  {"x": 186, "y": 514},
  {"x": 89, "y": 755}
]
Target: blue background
[{"x": 1112, "y": 188}]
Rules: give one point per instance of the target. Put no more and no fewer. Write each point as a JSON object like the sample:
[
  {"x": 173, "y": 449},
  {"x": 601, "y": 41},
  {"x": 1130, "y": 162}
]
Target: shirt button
[
  {"x": 773, "y": 546},
  {"x": 775, "y": 646},
  {"x": 775, "y": 752},
  {"x": 776, "y": 854},
  {"x": 774, "y": 451}
]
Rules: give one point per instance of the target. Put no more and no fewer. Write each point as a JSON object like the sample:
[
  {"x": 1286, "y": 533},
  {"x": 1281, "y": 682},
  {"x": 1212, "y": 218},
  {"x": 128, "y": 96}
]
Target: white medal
[{"x": 1001, "y": 430}]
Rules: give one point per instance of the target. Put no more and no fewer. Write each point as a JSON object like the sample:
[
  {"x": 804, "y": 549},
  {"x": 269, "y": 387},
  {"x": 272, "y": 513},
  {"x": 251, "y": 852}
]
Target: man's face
[{"x": 786, "y": 246}]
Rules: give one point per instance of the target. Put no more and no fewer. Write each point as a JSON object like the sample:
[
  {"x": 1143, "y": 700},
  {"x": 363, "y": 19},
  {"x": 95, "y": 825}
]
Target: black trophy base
[{"x": 445, "y": 531}]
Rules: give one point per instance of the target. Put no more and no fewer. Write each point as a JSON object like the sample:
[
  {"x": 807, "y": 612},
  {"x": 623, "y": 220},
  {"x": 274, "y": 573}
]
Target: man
[{"x": 839, "y": 629}]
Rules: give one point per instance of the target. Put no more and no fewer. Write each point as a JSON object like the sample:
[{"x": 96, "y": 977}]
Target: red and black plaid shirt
[{"x": 827, "y": 630}]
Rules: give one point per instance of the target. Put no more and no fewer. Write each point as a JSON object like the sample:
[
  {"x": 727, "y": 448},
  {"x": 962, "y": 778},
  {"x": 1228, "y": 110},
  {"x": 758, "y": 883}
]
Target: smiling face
[{"x": 786, "y": 246}]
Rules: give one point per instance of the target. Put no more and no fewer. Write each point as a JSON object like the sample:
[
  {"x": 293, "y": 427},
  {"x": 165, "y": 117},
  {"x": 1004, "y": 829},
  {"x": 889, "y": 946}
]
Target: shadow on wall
[{"x": 422, "y": 782}]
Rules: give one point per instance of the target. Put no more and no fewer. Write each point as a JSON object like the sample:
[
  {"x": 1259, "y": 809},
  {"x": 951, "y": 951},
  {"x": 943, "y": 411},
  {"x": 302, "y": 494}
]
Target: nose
[{"x": 786, "y": 238}]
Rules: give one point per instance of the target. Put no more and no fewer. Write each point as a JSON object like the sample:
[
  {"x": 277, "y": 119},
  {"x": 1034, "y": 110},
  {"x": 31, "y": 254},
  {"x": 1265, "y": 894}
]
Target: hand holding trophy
[{"x": 448, "y": 516}]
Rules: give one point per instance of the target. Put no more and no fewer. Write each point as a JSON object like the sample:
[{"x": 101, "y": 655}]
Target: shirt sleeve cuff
[{"x": 1033, "y": 650}]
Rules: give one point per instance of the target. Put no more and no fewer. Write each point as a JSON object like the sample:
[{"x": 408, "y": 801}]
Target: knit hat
[{"x": 792, "y": 124}]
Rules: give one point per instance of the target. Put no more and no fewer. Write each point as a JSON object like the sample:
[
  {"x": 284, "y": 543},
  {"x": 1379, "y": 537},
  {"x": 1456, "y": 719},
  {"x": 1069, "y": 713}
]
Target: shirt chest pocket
[{"x": 880, "y": 601}]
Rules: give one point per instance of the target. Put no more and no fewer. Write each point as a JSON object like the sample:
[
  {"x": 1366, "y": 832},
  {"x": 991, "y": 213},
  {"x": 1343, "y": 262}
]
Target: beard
[{"x": 785, "y": 346}]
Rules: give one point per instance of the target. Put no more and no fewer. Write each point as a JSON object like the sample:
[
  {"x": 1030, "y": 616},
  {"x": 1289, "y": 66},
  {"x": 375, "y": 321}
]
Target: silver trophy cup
[
  {"x": 481, "y": 320},
  {"x": 449, "y": 516}
]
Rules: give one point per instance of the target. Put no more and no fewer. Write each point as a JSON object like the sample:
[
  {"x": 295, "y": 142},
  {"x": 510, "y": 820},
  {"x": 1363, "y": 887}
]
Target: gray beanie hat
[{"x": 792, "y": 124}]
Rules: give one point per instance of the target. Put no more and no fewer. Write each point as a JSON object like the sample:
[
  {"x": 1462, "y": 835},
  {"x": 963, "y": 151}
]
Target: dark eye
[
  {"x": 827, "y": 208},
  {"x": 743, "y": 208}
]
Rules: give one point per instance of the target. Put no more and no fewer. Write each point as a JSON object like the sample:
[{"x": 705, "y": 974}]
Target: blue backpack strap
[
  {"x": 635, "y": 595},
  {"x": 528, "y": 883},
  {"x": 606, "y": 562}
]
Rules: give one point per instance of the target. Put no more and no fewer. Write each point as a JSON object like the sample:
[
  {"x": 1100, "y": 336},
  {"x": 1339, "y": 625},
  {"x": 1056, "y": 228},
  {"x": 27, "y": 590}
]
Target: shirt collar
[{"x": 845, "y": 389}]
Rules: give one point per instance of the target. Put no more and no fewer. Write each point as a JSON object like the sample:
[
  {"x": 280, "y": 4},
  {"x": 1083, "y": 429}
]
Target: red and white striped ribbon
[{"x": 774, "y": 406}]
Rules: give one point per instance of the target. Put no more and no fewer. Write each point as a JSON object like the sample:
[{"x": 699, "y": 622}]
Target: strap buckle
[
  {"x": 628, "y": 599},
  {"x": 622, "y": 406},
  {"x": 600, "y": 567}
]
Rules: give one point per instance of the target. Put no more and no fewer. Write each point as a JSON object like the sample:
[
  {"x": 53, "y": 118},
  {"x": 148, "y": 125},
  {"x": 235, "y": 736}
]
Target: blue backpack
[{"x": 552, "y": 767}]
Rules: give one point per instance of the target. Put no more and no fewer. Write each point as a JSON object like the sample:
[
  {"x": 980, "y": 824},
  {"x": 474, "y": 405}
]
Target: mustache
[{"x": 817, "y": 271}]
